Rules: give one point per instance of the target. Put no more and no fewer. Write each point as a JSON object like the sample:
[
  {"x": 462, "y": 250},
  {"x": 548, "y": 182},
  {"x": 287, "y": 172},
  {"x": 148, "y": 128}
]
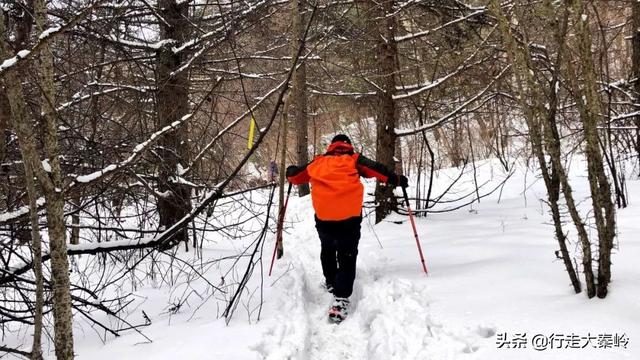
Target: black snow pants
[{"x": 339, "y": 250}]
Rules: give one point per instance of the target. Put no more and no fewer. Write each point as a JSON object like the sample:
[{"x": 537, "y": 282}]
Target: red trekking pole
[
  {"x": 278, "y": 248},
  {"x": 415, "y": 232}
]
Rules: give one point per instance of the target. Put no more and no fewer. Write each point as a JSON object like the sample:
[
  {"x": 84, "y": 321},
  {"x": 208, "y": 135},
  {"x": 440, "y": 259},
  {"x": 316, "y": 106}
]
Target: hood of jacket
[{"x": 339, "y": 148}]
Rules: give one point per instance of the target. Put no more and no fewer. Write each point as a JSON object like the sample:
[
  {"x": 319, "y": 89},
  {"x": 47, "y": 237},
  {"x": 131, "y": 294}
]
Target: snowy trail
[{"x": 389, "y": 316}]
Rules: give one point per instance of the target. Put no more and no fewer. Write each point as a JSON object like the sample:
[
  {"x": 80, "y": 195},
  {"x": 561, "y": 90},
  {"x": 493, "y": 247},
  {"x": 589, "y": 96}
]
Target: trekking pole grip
[{"x": 406, "y": 197}]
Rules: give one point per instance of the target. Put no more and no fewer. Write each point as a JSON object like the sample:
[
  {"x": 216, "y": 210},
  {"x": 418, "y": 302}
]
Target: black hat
[{"x": 341, "y": 137}]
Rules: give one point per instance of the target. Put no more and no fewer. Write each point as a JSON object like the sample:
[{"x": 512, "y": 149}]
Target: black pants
[{"x": 339, "y": 250}]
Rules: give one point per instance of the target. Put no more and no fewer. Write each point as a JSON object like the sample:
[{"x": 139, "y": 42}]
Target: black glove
[
  {"x": 403, "y": 181},
  {"x": 291, "y": 170}
]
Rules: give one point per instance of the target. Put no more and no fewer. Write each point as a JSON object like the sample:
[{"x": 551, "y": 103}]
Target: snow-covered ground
[{"x": 493, "y": 279}]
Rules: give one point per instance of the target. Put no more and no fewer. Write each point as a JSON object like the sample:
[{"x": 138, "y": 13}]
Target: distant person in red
[{"x": 337, "y": 195}]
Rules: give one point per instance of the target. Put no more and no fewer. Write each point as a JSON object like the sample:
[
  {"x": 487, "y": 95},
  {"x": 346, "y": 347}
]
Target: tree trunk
[
  {"x": 534, "y": 115},
  {"x": 589, "y": 108},
  {"x": 75, "y": 219},
  {"x": 22, "y": 33},
  {"x": 5, "y": 116},
  {"x": 635, "y": 15},
  {"x": 172, "y": 103},
  {"x": 36, "y": 253},
  {"x": 299, "y": 91},
  {"x": 62, "y": 314},
  {"x": 398, "y": 168},
  {"x": 5, "y": 135},
  {"x": 50, "y": 181},
  {"x": 558, "y": 177},
  {"x": 386, "y": 50}
]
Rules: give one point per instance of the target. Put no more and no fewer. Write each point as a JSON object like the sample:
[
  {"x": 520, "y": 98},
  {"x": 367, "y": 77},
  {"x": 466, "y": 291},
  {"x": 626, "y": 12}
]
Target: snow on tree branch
[
  {"x": 216, "y": 191},
  {"x": 626, "y": 116},
  {"x": 341, "y": 93},
  {"x": 137, "y": 150},
  {"x": 452, "y": 114},
  {"x": 420, "y": 88},
  {"x": 46, "y": 36},
  {"x": 429, "y": 31},
  {"x": 18, "y": 213}
]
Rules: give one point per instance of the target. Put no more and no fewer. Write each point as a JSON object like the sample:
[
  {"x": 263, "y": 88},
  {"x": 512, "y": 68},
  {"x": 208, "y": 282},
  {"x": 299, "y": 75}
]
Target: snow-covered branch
[
  {"x": 137, "y": 151},
  {"x": 341, "y": 93},
  {"x": 451, "y": 115},
  {"x": 19, "y": 212},
  {"x": 618, "y": 128},
  {"x": 215, "y": 193},
  {"x": 420, "y": 88},
  {"x": 221, "y": 31},
  {"x": 80, "y": 98},
  {"x": 429, "y": 31},
  {"x": 46, "y": 36},
  {"x": 625, "y": 116}
]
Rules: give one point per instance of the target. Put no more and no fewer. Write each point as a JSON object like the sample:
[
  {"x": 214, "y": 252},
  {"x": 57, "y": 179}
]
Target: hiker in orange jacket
[{"x": 337, "y": 195}]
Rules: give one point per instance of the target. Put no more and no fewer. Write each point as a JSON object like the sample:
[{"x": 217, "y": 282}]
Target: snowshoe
[{"x": 339, "y": 310}]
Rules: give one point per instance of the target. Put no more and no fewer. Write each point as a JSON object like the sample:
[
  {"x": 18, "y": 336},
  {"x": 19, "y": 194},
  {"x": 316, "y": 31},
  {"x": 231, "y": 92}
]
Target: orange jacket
[{"x": 336, "y": 190}]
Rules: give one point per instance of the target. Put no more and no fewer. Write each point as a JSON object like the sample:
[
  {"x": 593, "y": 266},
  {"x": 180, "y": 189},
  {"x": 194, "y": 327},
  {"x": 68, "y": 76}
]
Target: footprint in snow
[{"x": 485, "y": 331}]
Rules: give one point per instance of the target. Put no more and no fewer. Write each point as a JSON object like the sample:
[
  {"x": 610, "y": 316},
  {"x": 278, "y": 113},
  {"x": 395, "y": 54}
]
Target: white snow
[
  {"x": 6, "y": 64},
  {"x": 94, "y": 175},
  {"x": 24, "y": 210},
  {"x": 48, "y": 32},
  {"x": 492, "y": 276},
  {"x": 180, "y": 170},
  {"x": 46, "y": 166},
  {"x": 162, "y": 43},
  {"x": 492, "y": 272}
]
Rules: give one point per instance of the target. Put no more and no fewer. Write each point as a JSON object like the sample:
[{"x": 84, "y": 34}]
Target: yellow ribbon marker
[{"x": 252, "y": 128}]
